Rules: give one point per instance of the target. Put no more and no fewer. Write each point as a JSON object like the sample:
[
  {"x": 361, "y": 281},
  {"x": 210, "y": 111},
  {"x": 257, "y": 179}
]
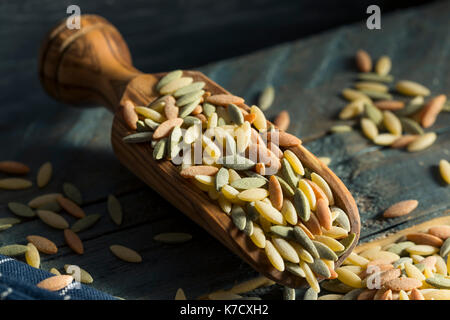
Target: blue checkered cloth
[{"x": 18, "y": 282}]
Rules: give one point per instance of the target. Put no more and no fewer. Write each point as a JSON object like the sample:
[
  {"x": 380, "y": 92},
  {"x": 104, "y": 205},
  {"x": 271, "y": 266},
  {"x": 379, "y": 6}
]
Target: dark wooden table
[{"x": 308, "y": 75}]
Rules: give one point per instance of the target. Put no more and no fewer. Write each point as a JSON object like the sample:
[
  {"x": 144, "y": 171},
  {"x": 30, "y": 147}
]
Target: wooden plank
[
  {"x": 164, "y": 268},
  {"x": 310, "y": 74},
  {"x": 145, "y": 210},
  {"x": 78, "y": 145},
  {"x": 145, "y": 216},
  {"x": 140, "y": 206},
  {"x": 391, "y": 238}
]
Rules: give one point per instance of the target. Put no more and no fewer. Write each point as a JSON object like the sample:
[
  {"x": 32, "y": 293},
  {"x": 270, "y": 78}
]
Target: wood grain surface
[{"x": 308, "y": 76}]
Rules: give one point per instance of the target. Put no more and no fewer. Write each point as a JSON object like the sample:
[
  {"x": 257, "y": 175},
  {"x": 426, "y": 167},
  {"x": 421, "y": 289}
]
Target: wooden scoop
[{"x": 93, "y": 65}]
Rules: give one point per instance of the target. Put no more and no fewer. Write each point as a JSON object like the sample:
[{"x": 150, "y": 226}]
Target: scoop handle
[{"x": 87, "y": 65}]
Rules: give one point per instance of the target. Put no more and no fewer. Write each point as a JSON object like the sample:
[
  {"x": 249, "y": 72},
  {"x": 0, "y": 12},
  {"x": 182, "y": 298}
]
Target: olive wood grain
[{"x": 94, "y": 65}]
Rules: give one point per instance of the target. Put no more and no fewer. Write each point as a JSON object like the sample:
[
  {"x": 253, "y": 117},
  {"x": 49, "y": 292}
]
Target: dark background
[{"x": 159, "y": 31}]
